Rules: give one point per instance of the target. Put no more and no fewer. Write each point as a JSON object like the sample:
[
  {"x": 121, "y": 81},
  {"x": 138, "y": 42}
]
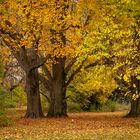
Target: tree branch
[
  {"x": 78, "y": 70},
  {"x": 92, "y": 64},
  {"x": 15, "y": 86},
  {"x": 47, "y": 72},
  {"x": 45, "y": 82},
  {"x": 38, "y": 64},
  {"x": 10, "y": 45},
  {"x": 47, "y": 97},
  {"x": 71, "y": 63},
  {"x": 72, "y": 75},
  {"x": 14, "y": 36}
]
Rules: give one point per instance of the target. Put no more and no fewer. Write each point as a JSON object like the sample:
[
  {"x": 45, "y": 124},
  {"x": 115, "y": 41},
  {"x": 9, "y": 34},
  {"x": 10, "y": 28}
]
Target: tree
[
  {"x": 125, "y": 51},
  {"x": 17, "y": 30},
  {"x": 129, "y": 56},
  {"x": 69, "y": 36},
  {"x": 59, "y": 36},
  {"x": 92, "y": 86},
  {"x": 24, "y": 32},
  {"x": 135, "y": 104},
  {"x": 81, "y": 31}
]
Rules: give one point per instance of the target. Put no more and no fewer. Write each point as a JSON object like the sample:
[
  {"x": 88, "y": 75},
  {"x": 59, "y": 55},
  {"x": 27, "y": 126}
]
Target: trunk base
[
  {"x": 33, "y": 115},
  {"x": 135, "y": 108},
  {"x": 135, "y": 104},
  {"x": 34, "y": 109},
  {"x": 57, "y": 115},
  {"x": 129, "y": 115},
  {"x": 57, "y": 111},
  {"x": 58, "y": 104}
]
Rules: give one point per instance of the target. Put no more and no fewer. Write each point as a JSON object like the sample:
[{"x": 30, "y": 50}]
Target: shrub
[
  {"x": 13, "y": 99},
  {"x": 2, "y": 101},
  {"x": 4, "y": 121},
  {"x": 80, "y": 98},
  {"x": 110, "y": 106},
  {"x": 74, "y": 107},
  {"x": 18, "y": 97}
]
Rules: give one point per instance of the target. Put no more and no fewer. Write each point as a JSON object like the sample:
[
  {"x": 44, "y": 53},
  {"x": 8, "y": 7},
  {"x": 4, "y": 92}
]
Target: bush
[
  {"x": 74, "y": 107},
  {"x": 4, "y": 121},
  {"x": 110, "y": 106},
  {"x": 18, "y": 97},
  {"x": 80, "y": 98},
  {"x": 2, "y": 101}
]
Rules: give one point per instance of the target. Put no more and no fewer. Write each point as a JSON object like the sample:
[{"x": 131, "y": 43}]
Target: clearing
[{"x": 78, "y": 126}]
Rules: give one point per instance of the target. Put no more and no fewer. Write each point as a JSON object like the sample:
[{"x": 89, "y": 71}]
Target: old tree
[
  {"x": 51, "y": 35},
  {"x": 61, "y": 37}
]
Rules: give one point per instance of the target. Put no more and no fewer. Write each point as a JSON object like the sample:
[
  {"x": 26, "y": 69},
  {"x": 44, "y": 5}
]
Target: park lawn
[{"x": 78, "y": 126}]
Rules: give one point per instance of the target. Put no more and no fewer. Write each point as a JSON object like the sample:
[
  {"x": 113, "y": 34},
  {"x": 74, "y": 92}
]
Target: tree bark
[
  {"x": 135, "y": 104},
  {"x": 34, "y": 109},
  {"x": 29, "y": 61},
  {"x": 58, "y": 105},
  {"x": 135, "y": 108}
]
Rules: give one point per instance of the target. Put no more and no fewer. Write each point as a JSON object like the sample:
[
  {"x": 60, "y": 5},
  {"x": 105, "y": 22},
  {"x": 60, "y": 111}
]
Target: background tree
[
  {"x": 91, "y": 87},
  {"x": 127, "y": 56}
]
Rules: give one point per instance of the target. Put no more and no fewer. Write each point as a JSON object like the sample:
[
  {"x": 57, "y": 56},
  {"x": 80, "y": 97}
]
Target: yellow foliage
[{"x": 97, "y": 80}]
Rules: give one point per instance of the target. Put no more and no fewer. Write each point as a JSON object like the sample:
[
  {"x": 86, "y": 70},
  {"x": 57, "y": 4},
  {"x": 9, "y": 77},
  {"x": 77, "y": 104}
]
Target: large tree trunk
[
  {"x": 135, "y": 108},
  {"x": 135, "y": 104},
  {"x": 58, "y": 105},
  {"x": 34, "y": 109}
]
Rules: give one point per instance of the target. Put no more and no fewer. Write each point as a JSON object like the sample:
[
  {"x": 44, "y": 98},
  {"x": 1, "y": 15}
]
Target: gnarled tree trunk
[
  {"x": 58, "y": 105},
  {"x": 34, "y": 109}
]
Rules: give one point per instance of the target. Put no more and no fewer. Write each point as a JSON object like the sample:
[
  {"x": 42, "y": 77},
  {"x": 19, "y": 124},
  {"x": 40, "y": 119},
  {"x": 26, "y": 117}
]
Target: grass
[{"x": 78, "y": 126}]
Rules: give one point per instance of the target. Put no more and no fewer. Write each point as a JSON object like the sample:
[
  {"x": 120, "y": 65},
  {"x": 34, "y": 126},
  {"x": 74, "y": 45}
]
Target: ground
[{"x": 78, "y": 126}]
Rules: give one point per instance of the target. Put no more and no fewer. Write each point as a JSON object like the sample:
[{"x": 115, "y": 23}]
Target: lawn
[{"x": 78, "y": 126}]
